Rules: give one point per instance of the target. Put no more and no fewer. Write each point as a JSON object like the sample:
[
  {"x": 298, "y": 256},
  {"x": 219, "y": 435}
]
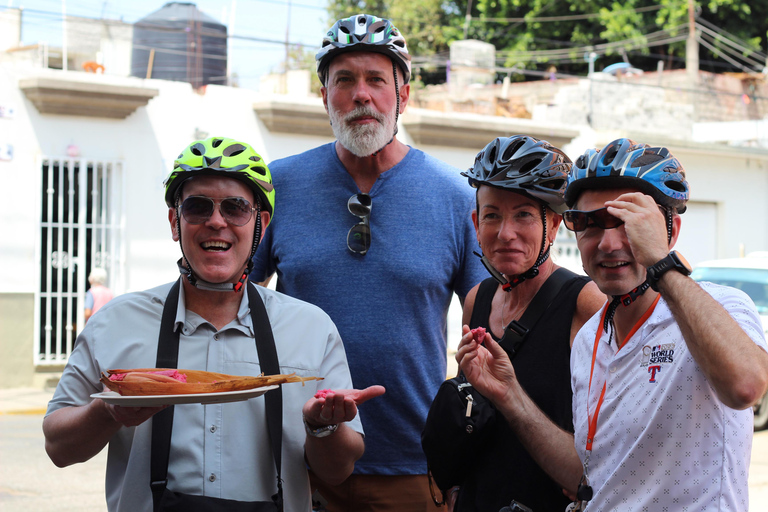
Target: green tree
[{"x": 533, "y": 34}]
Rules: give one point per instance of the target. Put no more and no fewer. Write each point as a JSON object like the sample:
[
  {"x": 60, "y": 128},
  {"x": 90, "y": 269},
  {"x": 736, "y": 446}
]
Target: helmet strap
[
  {"x": 397, "y": 110},
  {"x": 625, "y": 300},
  {"x": 186, "y": 269},
  {"x": 543, "y": 255},
  {"x": 513, "y": 281}
]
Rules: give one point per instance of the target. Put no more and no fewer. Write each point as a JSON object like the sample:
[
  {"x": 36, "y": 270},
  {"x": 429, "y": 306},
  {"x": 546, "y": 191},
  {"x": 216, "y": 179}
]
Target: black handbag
[
  {"x": 460, "y": 420},
  {"x": 166, "y": 500}
]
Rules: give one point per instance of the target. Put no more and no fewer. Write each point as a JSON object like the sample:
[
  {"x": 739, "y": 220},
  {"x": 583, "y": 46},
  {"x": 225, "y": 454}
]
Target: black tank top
[{"x": 506, "y": 471}]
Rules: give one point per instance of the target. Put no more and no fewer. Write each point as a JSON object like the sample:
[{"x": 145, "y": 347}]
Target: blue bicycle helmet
[
  {"x": 523, "y": 164},
  {"x": 626, "y": 163}
]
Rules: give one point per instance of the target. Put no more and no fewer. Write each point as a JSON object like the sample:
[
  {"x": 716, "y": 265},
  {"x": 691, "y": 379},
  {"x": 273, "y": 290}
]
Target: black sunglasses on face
[
  {"x": 576, "y": 220},
  {"x": 235, "y": 210},
  {"x": 359, "y": 235}
]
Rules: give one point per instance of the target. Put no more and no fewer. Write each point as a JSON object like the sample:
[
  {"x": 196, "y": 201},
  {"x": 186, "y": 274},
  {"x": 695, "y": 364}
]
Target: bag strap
[
  {"x": 515, "y": 332},
  {"x": 167, "y": 357}
]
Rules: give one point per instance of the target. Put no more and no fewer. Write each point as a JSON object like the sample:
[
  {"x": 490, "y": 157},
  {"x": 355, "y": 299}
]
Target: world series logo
[{"x": 656, "y": 355}]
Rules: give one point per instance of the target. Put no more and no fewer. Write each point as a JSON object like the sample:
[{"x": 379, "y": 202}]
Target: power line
[{"x": 572, "y": 17}]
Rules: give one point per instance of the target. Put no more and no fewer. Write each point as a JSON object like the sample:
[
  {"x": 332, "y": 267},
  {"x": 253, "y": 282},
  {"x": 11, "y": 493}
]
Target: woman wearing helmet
[
  {"x": 520, "y": 183},
  {"x": 200, "y": 163}
]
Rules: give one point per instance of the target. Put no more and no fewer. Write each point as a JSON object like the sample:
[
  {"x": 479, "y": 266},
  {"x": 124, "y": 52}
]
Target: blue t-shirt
[{"x": 391, "y": 304}]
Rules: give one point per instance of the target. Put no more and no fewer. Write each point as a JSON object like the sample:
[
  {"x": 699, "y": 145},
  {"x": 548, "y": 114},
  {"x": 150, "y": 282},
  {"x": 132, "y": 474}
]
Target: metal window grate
[{"x": 81, "y": 217}]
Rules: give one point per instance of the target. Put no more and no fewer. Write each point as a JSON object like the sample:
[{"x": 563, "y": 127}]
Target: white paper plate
[{"x": 114, "y": 398}]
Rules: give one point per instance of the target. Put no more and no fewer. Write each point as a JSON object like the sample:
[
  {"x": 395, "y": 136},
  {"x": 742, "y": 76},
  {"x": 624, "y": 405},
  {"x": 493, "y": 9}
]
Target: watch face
[{"x": 683, "y": 261}]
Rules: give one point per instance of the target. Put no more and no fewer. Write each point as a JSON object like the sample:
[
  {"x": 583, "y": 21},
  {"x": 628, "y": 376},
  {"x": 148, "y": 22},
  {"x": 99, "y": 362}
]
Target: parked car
[{"x": 749, "y": 274}]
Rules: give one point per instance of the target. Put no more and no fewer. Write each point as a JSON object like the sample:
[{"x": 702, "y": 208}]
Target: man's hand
[
  {"x": 487, "y": 368},
  {"x": 644, "y": 224},
  {"x": 332, "y": 407},
  {"x": 132, "y": 416}
]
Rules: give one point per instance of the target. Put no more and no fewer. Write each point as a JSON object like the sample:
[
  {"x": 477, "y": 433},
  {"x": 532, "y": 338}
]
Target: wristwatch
[
  {"x": 323, "y": 431},
  {"x": 673, "y": 260}
]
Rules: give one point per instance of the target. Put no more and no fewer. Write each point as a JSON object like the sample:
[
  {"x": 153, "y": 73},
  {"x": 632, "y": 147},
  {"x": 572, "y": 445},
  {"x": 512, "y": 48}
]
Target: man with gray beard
[{"x": 379, "y": 235}]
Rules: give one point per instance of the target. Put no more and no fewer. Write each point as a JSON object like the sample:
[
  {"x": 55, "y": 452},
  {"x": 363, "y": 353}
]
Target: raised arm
[
  {"x": 734, "y": 364},
  {"x": 490, "y": 371}
]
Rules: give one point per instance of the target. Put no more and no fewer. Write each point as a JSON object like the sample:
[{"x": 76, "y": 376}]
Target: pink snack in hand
[
  {"x": 323, "y": 393},
  {"x": 478, "y": 334}
]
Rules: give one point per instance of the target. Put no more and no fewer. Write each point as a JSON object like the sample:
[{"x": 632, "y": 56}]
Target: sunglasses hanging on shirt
[{"x": 359, "y": 235}]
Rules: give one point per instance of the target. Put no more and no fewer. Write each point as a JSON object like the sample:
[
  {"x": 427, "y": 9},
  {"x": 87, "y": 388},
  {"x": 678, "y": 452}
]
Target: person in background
[
  {"x": 218, "y": 456},
  {"x": 663, "y": 376},
  {"x": 378, "y": 234},
  {"x": 98, "y": 294}
]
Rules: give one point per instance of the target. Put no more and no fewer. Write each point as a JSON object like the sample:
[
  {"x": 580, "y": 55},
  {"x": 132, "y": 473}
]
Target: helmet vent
[
  {"x": 342, "y": 29},
  {"x": 610, "y": 154},
  {"x": 676, "y": 186},
  {"x": 529, "y": 166},
  {"x": 217, "y": 142},
  {"x": 259, "y": 170},
  {"x": 647, "y": 158},
  {"x": 233, "y": 150},
  {"x": 255, "y": 159},
  {"x": 198, "y": 149},
  {"x": 512, "y": 149}
]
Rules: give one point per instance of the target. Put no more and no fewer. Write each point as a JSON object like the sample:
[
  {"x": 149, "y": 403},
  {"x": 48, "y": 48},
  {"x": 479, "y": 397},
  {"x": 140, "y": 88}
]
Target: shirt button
[
  {"x": 216, "y": 337},
  {"x": 213, "y": 429},
  {"x": 613, "y": 369},
  {"x": 212, "y": 478}
]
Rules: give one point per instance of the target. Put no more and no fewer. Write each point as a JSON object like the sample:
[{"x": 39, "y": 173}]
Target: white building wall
[{"x": 728, "y": 185}]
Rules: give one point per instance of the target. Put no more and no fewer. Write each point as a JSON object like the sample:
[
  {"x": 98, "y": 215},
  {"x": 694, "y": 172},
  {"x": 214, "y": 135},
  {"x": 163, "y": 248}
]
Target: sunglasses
[
  {"x": 576, "y": 220},
  {"x": 235, "y": 210},
  {"x": 359, "y": 235}
]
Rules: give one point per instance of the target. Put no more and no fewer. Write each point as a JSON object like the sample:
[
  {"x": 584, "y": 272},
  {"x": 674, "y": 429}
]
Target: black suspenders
[{"x": 167, "y": 357}]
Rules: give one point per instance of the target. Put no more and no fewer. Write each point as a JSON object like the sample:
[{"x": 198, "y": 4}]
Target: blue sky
[{"x": 267, "y": 20}]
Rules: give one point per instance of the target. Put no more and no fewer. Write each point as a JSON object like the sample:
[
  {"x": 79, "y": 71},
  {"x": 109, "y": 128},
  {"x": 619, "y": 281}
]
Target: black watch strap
[{"x": 673, "y": 261}]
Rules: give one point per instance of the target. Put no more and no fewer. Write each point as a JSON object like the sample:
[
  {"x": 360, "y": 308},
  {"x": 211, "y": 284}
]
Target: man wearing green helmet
[
  {"x": 246, "y": 455},
  {"x": 663, "y": 376},
  {"x": 379, "y": 235}
]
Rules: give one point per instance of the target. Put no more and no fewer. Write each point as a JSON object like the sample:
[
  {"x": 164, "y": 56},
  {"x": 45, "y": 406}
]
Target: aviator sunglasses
[
  {"x": 235, "y": 210},
  {"x": 359, "y": 235},
  {"x": 576, "y": 220}
]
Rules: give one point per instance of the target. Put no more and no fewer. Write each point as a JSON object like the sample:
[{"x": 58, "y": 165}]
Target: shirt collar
[{"x": 243, "y": 318}]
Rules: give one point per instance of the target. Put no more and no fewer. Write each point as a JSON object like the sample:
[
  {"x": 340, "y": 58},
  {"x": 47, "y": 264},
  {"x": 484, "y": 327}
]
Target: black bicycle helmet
[{"x": 523, "y": 164}]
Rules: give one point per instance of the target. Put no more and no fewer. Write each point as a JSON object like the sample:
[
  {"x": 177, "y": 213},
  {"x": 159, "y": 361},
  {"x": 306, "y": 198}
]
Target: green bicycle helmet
[
  {"x": 219, "y": 156},
  {"x": 366, "y": 33},
  {"x": 225, "y": 158}
]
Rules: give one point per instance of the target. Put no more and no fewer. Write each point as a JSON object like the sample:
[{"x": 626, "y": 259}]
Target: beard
[{"x": 362, "y": 141}]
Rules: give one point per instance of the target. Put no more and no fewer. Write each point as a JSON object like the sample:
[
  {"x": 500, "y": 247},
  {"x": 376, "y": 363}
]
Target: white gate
[{"x": 80, "y": 229}]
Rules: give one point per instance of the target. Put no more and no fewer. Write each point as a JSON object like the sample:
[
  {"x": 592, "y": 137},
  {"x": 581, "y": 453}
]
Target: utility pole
[
  {"x": 467, "y": 18},
  {"x": 692, "y": 49}
]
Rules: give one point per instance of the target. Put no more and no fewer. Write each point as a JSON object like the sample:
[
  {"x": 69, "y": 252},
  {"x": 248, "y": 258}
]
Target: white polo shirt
[{"x": 664, "y": 442}]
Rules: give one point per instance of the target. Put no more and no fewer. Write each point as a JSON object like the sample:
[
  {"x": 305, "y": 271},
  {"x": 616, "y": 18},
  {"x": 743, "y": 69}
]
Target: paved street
[{"x": 29, "y": 482}]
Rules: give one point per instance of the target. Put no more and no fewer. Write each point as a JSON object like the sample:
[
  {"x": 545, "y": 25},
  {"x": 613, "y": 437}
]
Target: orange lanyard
[{"x": 593, "y": 419}]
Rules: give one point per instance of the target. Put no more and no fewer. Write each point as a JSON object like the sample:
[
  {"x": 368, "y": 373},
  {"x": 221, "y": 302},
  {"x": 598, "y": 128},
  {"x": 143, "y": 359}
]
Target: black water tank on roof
[{"x": 188, "y": 45}]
